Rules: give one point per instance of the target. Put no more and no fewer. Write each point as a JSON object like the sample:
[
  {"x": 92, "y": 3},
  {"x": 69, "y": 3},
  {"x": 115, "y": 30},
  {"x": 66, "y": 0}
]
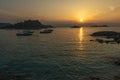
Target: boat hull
[
  {"x": 46, "y": 31},
  {"x": 23, "y": 34}
]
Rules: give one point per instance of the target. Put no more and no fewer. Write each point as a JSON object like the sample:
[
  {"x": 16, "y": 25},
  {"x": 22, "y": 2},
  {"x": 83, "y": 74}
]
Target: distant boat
[
  {"x": 24, "y": 33},
  {"x": 28, "y": 31},
  {"x": 46, "y": 31},
  {"x": 75, "y": 26}
]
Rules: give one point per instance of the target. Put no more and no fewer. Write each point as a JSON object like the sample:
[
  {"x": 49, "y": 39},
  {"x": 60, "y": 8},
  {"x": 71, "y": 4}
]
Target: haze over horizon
[{"x": 60, "y": 11}]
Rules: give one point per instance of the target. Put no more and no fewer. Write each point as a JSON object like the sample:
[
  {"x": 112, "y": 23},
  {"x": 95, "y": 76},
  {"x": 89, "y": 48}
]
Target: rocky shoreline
[{"x": 106, "y": 37}]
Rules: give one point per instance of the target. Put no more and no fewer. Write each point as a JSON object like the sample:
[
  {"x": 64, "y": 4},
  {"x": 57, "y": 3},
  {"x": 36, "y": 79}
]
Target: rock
[
  {"x": 116, "y": 78},
  {"x": 92, "y": 40},
  {"x": 94, "y": 78},
  {"x": 99, "y": 26},
  {"x": 106, "y": 34},
  {"x": 117, "y": 62},
  {"x": 114, "y": 60},
  {"x": 99, "y": 40}
]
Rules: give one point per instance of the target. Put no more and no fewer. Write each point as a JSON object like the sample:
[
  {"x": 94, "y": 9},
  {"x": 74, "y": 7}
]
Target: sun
[{"x": 81, "y": 20}]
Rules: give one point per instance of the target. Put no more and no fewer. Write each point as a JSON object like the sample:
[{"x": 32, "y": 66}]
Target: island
[
  {"x": 99, "y": 25},
  {"x": 27, "y": 24},
  {"x": 4, "y": 24}
]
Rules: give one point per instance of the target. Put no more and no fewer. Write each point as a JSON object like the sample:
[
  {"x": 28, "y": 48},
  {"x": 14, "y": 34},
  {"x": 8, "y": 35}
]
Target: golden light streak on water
[
  {"x": 81, "y": 37},
  {"x": 81, "y": 34}
]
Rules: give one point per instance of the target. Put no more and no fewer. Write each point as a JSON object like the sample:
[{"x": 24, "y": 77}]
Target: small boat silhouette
[
  {"x": 46, "y": 31},
  {"x": 24, "y": 33}
]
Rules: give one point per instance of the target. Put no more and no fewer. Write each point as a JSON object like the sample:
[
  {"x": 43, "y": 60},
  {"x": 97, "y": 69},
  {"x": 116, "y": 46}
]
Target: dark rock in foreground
[
  {"x": 107, "y": 37},
  {"x": 106, "y": 33},
  {"x": 117, "y": 77},
  {"x": 94, "y": 78},
  {"x": 114, "y": 60}
]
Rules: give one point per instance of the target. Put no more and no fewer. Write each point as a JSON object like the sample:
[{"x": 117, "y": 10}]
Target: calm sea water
[{"x": 65, "y": 54}]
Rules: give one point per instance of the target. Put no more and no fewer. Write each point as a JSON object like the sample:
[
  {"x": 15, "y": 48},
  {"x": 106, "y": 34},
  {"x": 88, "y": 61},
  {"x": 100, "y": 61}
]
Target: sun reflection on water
[{"x": 81, "y": 37}]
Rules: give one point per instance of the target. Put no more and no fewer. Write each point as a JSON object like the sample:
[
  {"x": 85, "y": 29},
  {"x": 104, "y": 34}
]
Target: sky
[{"x": 58, "y": 11}]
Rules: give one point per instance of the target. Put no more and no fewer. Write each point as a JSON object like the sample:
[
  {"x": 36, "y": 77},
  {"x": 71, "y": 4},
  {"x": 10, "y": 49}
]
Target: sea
[{"x": 64, "y": 54}]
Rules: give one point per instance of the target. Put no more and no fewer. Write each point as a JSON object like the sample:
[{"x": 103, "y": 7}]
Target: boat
[
  {"x": 24, "y": 33},
  {"x": 46, "y": 31},
  {"x": 28, "y": 31}
]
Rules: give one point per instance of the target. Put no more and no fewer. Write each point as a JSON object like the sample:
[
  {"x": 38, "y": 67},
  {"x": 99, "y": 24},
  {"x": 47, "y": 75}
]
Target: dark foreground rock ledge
[
  {"x": 106, "y": 33},
  {"x": 107, "y": 37}
]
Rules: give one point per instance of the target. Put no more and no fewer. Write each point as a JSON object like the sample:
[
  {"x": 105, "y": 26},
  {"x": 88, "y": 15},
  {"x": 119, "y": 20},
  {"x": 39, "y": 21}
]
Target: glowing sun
[{"x": 81, "y": 20}]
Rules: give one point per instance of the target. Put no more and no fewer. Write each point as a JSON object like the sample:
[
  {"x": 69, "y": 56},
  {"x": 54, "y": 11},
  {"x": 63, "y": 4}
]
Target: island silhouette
[{"x": 27, "y": 24}]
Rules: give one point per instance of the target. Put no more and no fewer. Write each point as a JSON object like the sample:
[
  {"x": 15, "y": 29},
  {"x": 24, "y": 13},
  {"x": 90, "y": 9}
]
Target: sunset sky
[{"x": 87, "y": 11}]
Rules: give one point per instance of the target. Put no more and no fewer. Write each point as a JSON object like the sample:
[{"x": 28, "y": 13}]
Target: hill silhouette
[{"x": 27, "y": 24}]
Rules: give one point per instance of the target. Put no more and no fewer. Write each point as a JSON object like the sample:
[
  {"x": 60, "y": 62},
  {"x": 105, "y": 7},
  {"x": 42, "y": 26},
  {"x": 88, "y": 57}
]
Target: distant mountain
[{"x": 27, "y": 24}]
